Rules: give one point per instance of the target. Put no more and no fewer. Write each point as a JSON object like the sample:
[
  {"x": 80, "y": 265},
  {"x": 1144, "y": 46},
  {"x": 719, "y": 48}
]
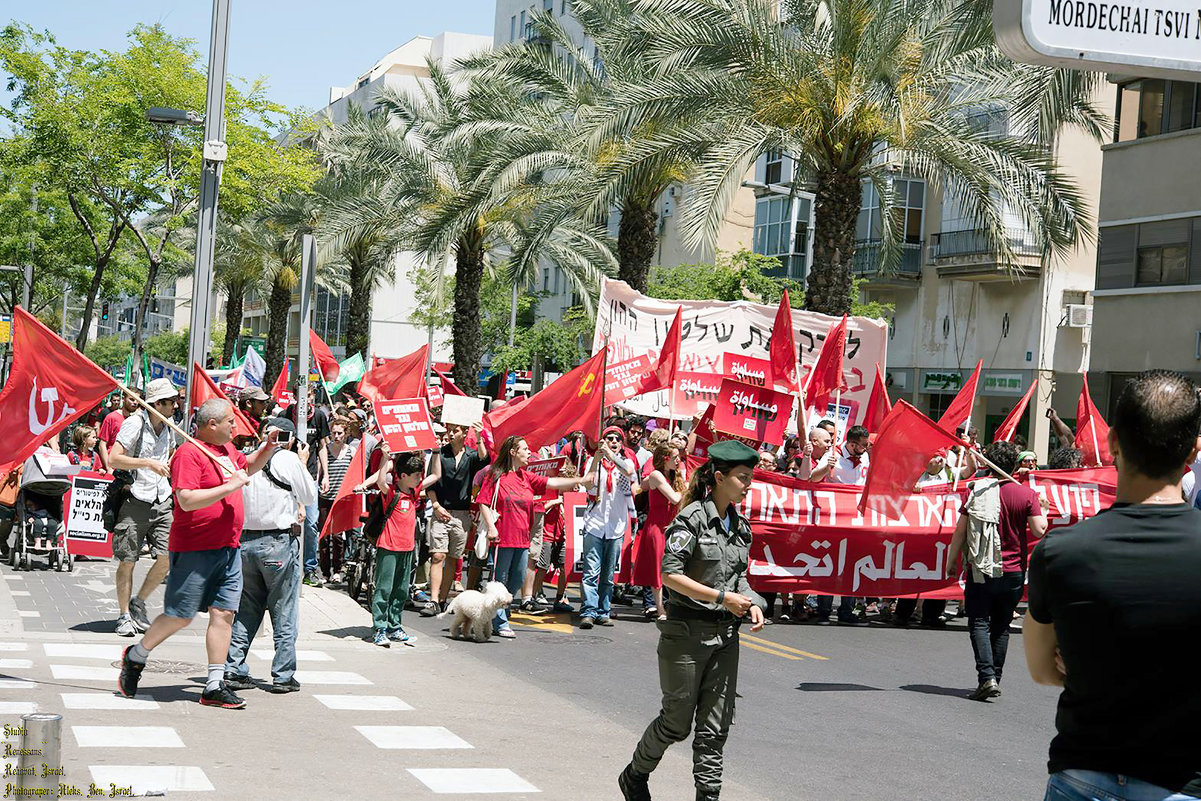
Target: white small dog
[{"x": 474, "y": 610}]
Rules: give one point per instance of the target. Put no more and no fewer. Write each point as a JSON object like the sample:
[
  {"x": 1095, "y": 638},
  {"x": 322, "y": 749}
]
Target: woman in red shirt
[
  {"x": 394, "y": 549},
  {"x": 507, "y": 512}
]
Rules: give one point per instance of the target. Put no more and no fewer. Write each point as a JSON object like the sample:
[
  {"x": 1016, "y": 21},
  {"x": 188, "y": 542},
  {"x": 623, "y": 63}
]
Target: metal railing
[
  {"x": 974, "y": 242},
  {"x": 868, "y": 259}
]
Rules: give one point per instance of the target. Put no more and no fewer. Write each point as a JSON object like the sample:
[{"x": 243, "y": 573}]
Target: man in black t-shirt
[
  {"x": 318, "y": 439},
  {"x": 452, "y": 470},
  {"x": 1115, "y": 613}
]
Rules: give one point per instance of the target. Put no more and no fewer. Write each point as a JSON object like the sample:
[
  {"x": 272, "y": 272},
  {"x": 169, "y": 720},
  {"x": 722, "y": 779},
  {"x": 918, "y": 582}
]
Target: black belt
[
  {"x": 677, "y": 612},
  {"x": 250, "y": 533}
]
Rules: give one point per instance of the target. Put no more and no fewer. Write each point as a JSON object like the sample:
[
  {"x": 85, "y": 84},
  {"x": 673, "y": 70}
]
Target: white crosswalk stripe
[
  {"x": 412, "y": 737},
  {"x": 330, "y": 677},
  {"x": 17, "y": 684},
  {"x": 472, "y": 780},
  {"x": 147, "y": 779},
  {"x": 85, "y": 672},
  {"x": 14, "y": 646},
  {"x": 83, "y": 651},
  {"x": 15, "y": 664},
  {"x": 17, "y": 707},
  {"x": 126, "y": 737},
  {"x": 106, "y": 701},
  {"x": 364, "y": 703},
  {"x": 301, "y": 655}
]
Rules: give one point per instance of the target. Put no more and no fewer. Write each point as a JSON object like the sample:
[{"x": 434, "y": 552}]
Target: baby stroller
[{"x": 38, "y": 513}]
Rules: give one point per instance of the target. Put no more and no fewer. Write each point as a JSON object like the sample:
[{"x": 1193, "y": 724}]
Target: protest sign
[
  {"x": 462, "y": 410},
  {"x": 575, "y": 504},
  {"x": 622, "y": 378},
  {"x": 434, "y": 392},
  {"x": 83, "y": 515},
  {"x": 706, "y": 435},
  {"x": 406, "y": 425},
  {"x": 746, "y": 369},
  {"x": 758, "y": 413},
  {"x": 693, "y": 392}
]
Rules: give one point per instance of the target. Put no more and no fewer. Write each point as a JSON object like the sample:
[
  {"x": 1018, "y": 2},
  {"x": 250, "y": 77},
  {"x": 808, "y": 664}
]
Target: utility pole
[{"x": 210, "y": 181}]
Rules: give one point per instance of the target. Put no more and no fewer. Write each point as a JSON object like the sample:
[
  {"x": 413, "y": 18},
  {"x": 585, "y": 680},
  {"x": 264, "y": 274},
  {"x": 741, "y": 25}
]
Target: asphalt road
[{"x": 825, "y": 712}]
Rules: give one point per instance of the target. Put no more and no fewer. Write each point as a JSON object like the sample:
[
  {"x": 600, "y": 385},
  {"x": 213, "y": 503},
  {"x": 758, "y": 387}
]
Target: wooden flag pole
[{"x": 171, "y": 424}]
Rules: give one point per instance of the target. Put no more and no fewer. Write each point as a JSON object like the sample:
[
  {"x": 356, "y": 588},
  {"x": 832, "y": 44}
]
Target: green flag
[
  {"x": 145, "y": 370},
  {"x": 129, "y": 369},
  {"x": 351, "y": 370}
]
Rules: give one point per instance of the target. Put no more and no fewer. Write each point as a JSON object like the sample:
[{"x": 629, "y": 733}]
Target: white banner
[{"x": 637, "y": 325}]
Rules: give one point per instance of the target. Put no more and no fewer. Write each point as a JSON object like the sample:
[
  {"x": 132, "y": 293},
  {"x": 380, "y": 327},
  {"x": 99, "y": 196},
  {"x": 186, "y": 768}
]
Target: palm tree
[
  {"x": 244, "y": 257},
  {"x": 855, "y": 90}
]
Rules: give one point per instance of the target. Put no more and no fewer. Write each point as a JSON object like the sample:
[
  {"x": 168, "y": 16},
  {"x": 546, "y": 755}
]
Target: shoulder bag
[
  {"x": 118, "y": 488},
  {"x": 377, "y": 517}
]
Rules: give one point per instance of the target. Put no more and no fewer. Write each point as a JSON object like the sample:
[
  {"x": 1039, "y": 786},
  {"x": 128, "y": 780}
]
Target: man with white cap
[{"x": 142, "y": 451}]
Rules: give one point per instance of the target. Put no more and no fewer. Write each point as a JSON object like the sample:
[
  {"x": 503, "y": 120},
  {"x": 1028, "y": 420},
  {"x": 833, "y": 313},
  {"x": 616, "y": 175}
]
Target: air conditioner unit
[{"x": 1079, "y": 315}]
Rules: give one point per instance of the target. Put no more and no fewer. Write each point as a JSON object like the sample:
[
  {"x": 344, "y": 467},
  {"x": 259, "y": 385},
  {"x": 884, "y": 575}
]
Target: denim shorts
[
  {"x": 200, "y": 579},
  {"x": 1090, "y": 785}
]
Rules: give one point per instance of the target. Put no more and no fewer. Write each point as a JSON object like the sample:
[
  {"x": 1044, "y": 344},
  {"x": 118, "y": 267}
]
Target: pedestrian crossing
[{"x": 344, "y": 695}]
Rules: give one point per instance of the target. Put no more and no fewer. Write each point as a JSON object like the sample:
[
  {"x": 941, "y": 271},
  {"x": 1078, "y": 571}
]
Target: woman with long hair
[
  {"x": 664, "y": 487},
  {"x": 704, "y": 570},
  {"x": 84, "y": 453},
  {"x": 339, "y": 452},
  {"x": 506, "y": 502}
]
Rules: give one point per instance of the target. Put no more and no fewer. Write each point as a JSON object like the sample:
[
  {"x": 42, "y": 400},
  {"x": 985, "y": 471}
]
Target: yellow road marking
[
  {"x": 773, "y": 652},
  {"x": 790, "y": 650},
  {"x": 553, "y": 623}
]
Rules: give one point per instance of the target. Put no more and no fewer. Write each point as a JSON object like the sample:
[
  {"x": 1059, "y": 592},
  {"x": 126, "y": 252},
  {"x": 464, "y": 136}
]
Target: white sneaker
[{"x": 126, "y": 627}]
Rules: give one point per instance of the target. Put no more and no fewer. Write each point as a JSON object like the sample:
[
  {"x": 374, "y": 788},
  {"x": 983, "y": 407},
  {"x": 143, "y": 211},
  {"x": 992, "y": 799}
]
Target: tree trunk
[
  {"x": 235, "y": 300},
  {"x": 637, "y": 238},
  {"x": 89, "y": 307},
  {"x": 828, "y": 288},
  {"x": 358, "y": 332},
  {"x": 465, "y": 327},
  {"x": 278, "y": 308}
]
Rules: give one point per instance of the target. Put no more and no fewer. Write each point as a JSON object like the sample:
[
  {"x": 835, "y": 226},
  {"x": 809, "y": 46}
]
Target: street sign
[
  {"x": 6, "y": 328},
  {"x": 1152, "y": 38}
]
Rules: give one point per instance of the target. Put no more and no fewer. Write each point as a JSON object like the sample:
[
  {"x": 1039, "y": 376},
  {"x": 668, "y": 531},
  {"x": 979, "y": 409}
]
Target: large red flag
[
  {"x": 1092, "y": 432},
  {"x": 827, "y": 376},
  {"x": 961, "y": 407},
  {"x": 50, "y": 386},
  {"x": 448, "y": 387},
  {"x": 204, "y": 389},
  {"x": 346, "y": 511},
  {"x": 1009, "y": 425},
  {"x": 572, "y": 403},
  {"x": 904, "y": 445},
  {"x": 280, "y": 389},
  {"x": 878, "y": 405},
  {"x": 664, "y": 373},
  {"x": 782, "y": 347},
  {"x": 327, "y": 365},
  {"x": 396, "y": 378}
]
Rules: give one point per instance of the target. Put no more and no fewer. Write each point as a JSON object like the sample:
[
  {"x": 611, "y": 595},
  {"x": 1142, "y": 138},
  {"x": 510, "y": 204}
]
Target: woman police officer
[{"x": 704, "y": 573}]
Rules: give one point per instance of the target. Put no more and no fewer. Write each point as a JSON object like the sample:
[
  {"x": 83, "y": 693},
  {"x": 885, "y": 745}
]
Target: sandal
[{"x": 650, "y": 612}]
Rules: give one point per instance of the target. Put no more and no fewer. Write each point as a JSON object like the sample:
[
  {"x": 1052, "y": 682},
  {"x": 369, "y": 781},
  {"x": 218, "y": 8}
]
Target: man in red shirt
[
  {"x": 206, "y": 569},
  {"x": 111, "y": 426},
  {"x": 992, "y": 534}
]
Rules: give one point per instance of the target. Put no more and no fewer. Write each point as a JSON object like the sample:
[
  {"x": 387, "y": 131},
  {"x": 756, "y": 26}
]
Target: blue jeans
[
  {"x": 510, "y": 571},
  {"x": 270, "y": 575},
  {"x": 311, "y": 517},
  {"x": 825, "y": 605},
  {"x": 1091, "y": 785},
  {"x": 600, "y": 557}
]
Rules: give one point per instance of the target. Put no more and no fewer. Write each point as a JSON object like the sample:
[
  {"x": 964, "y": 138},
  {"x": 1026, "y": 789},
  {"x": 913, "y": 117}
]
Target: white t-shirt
[
  {"x": 608, "y": 512},
  {"x": 847, "y": 471}
]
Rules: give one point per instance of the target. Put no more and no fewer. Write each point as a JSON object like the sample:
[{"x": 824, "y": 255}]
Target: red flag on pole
[
  {"x": 1092, "y": 432},
  {"x": 327, "y": 365},
  {"x": 50, "y": 386},
  {"x": 664, "y": 373},
  {"x": 960, "y": 409},
  {"x": 782, "y": 347},
  {"x": 878, "y": 405},
  {"x": 280, "y": 389},
  {"x": 204, "y": 389},
  {"x": 346, "y": 511},
  {"x": 904, "y": 445},
  {"x": 396, "y": 378},
  {"x": 571, "y": 403},
  {"x": 827, "y": 374},
  {"x": 448, "y": 387},
  {"x": 1009, "y": 425}
]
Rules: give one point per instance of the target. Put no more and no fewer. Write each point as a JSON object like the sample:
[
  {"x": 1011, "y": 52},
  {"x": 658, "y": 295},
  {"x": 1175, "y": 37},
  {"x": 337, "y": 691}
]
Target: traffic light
[{"x": 104, "y": 311}]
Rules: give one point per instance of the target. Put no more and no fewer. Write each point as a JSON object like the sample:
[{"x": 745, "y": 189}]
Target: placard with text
[
  {"x": 83, "y": 518},
  {"x": 406, "y": 425},
  {"x": 759, "y": 413}
]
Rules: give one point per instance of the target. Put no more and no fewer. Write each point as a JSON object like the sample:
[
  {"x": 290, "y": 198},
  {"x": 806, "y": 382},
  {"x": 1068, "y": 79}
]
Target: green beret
[{"x": 733, "y": 452}]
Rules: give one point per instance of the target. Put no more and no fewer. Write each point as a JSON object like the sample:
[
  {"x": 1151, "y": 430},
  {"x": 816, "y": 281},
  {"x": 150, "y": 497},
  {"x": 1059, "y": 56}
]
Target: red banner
[
  {"x": 759, "y": 413},
  {"x": 747, "y": 369},
  {"x": 812, "y": 538},
  {"x": 621, "y": 379},
  {"x": 406, "y": 425}
]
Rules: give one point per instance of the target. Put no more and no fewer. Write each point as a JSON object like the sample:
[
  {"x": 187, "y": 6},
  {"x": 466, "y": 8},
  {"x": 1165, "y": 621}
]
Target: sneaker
[
  {"x": 131, "y": 674},
  {"x": 222, "y": 697},
  {"x": 541, "y": 600},
  {"x": 604, "y": 621},
  {"x": 785, "y": 615},
  {"x": 562, "y": 606},
  {"x": 281, "y": 687},
  {"x": 987, "y": 689},
  {"x": 422, "y": 597},
  {"x": 126, "y": 626},
  {"x": 586, "y": 622},
  {"x": 633, "y": 785},
  {"x": 432, "y": 608},
  {"x": 236, "y": 682},
  {"x": 530, "y": 608},
  {"x": 313, "y": 579},
  {"x": 380, "y": 638},
  {"x": 397, "y": 635},
  {"x": 137, "y": 611}
]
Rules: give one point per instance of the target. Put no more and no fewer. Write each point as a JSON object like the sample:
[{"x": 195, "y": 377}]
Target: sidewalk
[{"x": 408, "y": 722}]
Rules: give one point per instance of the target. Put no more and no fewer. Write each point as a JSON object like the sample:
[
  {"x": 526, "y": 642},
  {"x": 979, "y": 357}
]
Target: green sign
[
  {"x": 258, "y": 343},
  {"x": 1003, "y": 383},
  {"x": 941, "y": 381}
]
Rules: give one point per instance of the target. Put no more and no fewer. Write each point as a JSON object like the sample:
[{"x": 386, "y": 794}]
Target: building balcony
[
  {"x": 869, "y": 264},
  {"x": 967, "y": 255}
]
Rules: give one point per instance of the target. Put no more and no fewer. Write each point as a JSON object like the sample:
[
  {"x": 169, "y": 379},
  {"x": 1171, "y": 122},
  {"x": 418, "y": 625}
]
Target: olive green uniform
[{"x": 698, "y": 643}]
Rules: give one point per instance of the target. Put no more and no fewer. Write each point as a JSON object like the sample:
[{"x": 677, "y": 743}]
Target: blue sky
[{"x": 302, "y": 47}]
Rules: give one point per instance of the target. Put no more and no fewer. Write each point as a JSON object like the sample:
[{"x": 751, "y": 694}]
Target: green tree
[
  {"x": 855, "y": 90},
  {"x": 559, "y": 346},
  {"x": 108, "y": 352}
]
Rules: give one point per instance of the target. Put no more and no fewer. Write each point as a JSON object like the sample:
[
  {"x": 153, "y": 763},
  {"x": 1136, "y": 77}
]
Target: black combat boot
[
  {"x": 706, "y": 795},
  {"x": 633, "y": 785}
]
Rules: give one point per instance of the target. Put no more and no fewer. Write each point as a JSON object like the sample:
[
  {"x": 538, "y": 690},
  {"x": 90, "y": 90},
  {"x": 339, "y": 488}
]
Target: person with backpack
[
  {"x": 275, "y": 501},
  {"x": 394, "y": 528}
]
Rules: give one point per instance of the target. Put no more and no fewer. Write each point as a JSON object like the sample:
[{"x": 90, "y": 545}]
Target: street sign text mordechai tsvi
[{"x": 1155, "y": 38}]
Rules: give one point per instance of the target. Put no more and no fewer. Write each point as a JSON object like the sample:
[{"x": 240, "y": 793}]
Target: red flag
[
  {"x": 204, "y": 389},
  {"x": 396, "y": 378},
  {"x": 571, "y": 403},
  {"x": 782, "y": 347},
  {"x": 502, "y": 386},
  {"x": 448, "y": 386},
  {"x": 960, "y": 409},
  {"x": 327, "y": 365},
  {"x": 827, "y": 375},
  {"x": 50, "y": 386},
  {"x": 1009, "y": 425},
  {"x": 346, "y": 511},
  {"x": 904, "y": 445},
  {"x": 878, "y": 405},
  {"x": 1092, "y": 432},
  {"x": 664, "y": 373},
  {"x": 281, "y": 384}
]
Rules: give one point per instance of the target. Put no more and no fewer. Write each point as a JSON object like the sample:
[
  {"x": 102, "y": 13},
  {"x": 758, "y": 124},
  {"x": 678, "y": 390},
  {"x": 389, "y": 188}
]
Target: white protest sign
[{"x": 462, "y": 410}]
